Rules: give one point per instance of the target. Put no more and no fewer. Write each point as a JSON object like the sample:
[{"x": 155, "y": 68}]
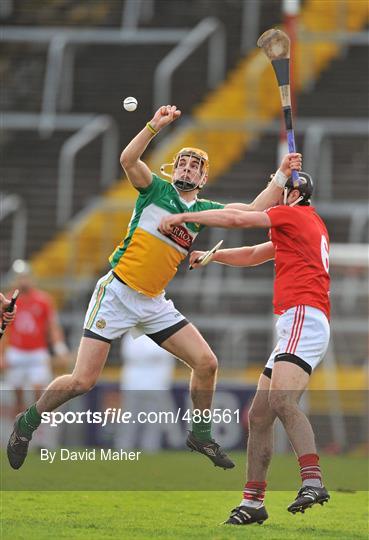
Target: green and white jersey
[{"x": 146, "y": 259}]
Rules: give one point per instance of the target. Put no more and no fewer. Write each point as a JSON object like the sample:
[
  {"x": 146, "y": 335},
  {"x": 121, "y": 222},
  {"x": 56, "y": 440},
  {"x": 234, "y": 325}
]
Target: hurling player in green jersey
[{"x": 125, "y": 298}]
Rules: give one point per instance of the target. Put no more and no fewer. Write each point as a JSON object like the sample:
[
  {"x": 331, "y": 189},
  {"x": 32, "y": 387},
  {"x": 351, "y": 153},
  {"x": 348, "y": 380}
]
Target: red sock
[
  {"x": 254, "y": 491},
  {"x": 309, "y": 470}
]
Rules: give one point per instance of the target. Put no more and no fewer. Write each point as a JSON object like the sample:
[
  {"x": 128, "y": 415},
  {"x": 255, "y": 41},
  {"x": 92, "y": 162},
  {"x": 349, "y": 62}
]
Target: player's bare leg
[
  {"x": 259, "y": 454},
  {"x": 260, "y": 441},
  {"x": 91, "y": 358},
  {"x": 203, "y": 379},
  {"x": 288, "y": 384},
  {"x": 189, "y": 346}
]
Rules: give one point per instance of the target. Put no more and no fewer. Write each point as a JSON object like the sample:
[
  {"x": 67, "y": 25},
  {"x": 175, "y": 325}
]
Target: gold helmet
[{"x": 184, "y": 185}]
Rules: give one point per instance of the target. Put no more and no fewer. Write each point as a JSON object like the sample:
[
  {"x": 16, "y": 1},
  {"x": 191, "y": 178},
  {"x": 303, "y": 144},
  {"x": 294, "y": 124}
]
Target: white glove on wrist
[
  {"x": 60, "y": 348},
  {"x": 280, "y": 178}
]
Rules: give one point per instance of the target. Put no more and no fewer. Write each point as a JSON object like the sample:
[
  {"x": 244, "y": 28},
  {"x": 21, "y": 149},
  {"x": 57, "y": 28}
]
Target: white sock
[
  {"x": 314, "y": 482},
  {"x": 251, "y": 503}
]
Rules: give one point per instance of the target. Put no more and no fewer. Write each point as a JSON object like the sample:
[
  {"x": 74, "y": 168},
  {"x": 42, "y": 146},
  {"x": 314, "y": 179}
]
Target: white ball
[{"x": 130, "y": 104}]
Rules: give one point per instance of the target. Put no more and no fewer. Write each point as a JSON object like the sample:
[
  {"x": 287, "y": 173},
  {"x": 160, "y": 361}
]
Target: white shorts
[
  {"x": 303, "y": 333},
  {"x": 115, "y": 308},
  {"x": 26, "y": 369}
]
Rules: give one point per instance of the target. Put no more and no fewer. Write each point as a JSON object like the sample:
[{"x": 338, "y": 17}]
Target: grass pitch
[
  {"x": 159, "y": 513},
  {"x": 174, "y": 514}
]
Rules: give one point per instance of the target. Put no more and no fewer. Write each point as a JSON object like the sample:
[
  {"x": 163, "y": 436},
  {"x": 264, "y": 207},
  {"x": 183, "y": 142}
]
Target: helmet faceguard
[
  {"x": 180, "y": 175},
  {"x": 305, "y": 189}
]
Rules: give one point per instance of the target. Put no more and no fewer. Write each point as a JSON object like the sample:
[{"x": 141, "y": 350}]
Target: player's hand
[
  {"x": 164, "y": 116},
  {"x": 168, "y": 223},
  {"x": 194, "y": 256},
  {"x": 291, "y": 162},
  {"x": 7, "y": 316}
]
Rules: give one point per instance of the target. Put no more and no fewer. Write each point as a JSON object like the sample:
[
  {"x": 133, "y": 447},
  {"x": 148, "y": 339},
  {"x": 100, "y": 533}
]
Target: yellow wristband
[{"x": 152, "y": 129}]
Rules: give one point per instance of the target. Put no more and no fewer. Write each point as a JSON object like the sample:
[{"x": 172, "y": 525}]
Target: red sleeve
[{"x": 280, "y": 215}]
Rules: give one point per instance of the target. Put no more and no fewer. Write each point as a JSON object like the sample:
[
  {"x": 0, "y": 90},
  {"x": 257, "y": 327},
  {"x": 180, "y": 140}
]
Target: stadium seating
[
  {"x": 29, "y": 167},
  {"x": 103, "y": 76}
]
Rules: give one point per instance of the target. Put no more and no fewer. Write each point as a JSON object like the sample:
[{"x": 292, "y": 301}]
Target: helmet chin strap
[
  {"x": 296, "y": 201},
  {"x": 285, "y": 195}
]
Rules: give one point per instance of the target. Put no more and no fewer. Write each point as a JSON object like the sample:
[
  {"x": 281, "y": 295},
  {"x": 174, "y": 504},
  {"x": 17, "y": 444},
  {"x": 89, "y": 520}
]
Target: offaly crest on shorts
[{"x": 101, "y": 323}]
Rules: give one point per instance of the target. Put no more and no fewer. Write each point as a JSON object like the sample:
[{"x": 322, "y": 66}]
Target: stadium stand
[
  {"x": 29, "y": 165},
  {"x": 99, "y": 82}
]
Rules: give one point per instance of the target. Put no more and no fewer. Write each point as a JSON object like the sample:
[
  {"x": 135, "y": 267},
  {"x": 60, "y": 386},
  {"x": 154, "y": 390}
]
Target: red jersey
[
  {"x": 301, "y": 244},
  {"x": 29, "y": 329}
]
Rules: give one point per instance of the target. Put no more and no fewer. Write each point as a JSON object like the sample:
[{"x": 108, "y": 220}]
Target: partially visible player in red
[
  {"x": 34, "y": 330},
  {"x": 299, "y": 245}
]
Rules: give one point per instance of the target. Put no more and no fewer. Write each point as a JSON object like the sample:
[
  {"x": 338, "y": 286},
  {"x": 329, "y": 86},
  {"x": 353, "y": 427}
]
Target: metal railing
[
  {"x": 14, "y": 205},
  {"x": 209, "y": 29},
  {"x": 250, "y": 25},
  {"x": 14, "y": 120},
  {"x": 6, "y": 8},
  {"x": 136, "y": 11},
  {"x": 58, "y": 82},
  {"x": 101, "y": 125},
  {"x": 340, "y": 37},
  {"x": 89, "y": 127},
  {"x": 316, "y": 150},
  {"x": 60, "y": 59}
]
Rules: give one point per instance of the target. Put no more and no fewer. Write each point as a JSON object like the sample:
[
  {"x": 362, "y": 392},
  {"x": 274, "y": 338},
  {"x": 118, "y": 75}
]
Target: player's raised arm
[
  {"x": 270, "y": 195},
  {"x": 136, "y": 170},
  {"x": 226, "y": 218}
]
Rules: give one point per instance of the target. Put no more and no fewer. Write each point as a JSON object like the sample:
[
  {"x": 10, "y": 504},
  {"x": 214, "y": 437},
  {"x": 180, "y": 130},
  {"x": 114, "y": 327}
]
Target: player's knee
[
  {"x": 212, "y": 362},
  {"x": 208, "y": 362},
  {"x": 280, "y": 403},
  {"x": 258, "y": 419}
]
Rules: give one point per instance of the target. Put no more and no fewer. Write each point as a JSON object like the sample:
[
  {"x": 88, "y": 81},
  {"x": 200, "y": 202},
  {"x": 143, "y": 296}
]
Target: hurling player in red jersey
[
  {"x": 131, "y": 298},
  {"x": 35, "y": 328},
  {"x": 299, "y": 245}
]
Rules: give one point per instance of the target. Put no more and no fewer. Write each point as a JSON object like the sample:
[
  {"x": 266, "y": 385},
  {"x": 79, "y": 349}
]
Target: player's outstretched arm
[
  {"x": 226, "y": 218},
  {"x": 270, "y": 195},
  {"x": 243, "y": 256},
  {"x": 136, "y": 170}
]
